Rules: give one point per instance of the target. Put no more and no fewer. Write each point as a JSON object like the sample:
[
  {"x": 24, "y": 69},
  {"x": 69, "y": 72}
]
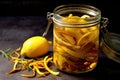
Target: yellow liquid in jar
[{"x": 75, "y": 48}]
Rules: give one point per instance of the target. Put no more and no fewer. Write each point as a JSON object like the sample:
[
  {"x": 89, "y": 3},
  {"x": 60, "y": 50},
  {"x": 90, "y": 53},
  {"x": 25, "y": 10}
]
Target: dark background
[
  {"x": 109, "y": 8},
  {"x": 20, "y": 19}
]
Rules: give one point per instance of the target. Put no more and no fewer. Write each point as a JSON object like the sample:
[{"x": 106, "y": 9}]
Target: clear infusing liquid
[{"x": 76, "y": 48}]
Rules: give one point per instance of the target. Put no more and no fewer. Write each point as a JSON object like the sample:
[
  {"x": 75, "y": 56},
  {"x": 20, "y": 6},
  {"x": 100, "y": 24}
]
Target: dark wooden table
[{"x": 15, "y": 29}]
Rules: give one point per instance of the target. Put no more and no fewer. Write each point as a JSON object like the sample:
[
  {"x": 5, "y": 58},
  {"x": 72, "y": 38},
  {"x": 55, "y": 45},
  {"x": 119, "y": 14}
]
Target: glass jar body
[{"x": 75, "y": 44}]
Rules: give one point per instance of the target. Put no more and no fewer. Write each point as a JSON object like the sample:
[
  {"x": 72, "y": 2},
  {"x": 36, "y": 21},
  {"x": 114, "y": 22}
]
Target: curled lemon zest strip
[
  {"x": 38, "y": 66},
  {"x": 13, "y": 70},
  {"x": 28, "y": 75},
  {"x": 46, "y": 60},
  {"x": 38, "y": 71},
  {"x": 15, "y": 64},
  {"x": 26, "y": 64}
]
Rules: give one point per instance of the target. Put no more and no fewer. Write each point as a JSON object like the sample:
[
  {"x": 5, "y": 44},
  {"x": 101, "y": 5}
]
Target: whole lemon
[{"x": 35, "y": 46}]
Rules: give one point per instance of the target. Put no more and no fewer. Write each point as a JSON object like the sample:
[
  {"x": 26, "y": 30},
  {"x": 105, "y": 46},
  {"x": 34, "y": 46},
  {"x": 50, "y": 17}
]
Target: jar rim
[{"x": 83, "y": 8}]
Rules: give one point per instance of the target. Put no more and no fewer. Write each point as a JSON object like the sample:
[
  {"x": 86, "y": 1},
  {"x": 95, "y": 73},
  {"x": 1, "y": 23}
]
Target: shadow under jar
[{"x": 76, "y": 37}]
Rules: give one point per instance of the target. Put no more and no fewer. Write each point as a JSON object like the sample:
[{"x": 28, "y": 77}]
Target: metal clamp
[
  {"x": 104, "y": 22},
  {"x": 105, "y": 32},
  {"x": 50, "y": 21}
]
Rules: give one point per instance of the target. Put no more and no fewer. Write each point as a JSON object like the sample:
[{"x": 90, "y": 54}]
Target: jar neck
[{"x": 77, "y": 10}]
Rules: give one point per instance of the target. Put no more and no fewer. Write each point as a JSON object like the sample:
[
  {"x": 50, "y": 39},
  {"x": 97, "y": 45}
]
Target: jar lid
[{"x": 110, "y": 45}]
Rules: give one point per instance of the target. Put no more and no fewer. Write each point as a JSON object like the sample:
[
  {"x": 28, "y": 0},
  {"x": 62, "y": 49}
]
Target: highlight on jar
[{"x": 75, "y": 48}]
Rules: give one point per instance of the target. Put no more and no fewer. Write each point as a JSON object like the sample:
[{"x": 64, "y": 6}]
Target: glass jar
[
  {"x": 110, "y": 45},
  {"x": 76, "y": 37}
]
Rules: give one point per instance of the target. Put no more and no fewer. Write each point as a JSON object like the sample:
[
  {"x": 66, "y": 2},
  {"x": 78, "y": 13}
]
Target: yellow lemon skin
[{"x": 35, "y": 47}]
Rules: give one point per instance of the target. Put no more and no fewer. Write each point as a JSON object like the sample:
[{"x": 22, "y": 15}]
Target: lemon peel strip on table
[
  {"x": 26, "y": 64},
  {"x": 15, "y": 69},
  {"x": 38, "y": 71},
  {"x": 29, "y": 75},
  {"x": 46, "y": 60},
  {"x": 37, "y": 66}
]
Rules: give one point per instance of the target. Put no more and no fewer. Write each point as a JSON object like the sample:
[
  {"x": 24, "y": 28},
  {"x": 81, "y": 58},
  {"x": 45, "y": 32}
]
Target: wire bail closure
[
  {"x": 104, "y": 31},
  {"x": 104, "y": 22},
  {"x": 50, "y": 21}
]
